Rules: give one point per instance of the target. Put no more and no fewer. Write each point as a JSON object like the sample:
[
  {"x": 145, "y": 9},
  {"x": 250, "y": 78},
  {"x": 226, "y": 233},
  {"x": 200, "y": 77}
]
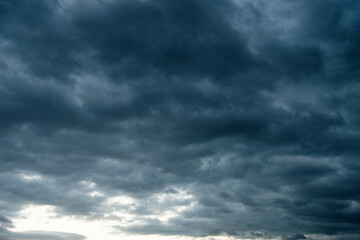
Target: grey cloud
[
  {"x": 5, "y": 222},
  {"x": 18, "y": 190},
  {"x": 4, "y": 219},
  {"x": 251, "y": 107},
  {"x": 295, "y": 237},
  {"x": 8, "y": 235}
]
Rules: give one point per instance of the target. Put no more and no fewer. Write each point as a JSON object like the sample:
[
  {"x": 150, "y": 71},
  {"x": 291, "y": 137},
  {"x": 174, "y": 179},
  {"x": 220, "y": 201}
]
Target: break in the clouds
[{"x": 199, "y": 119}]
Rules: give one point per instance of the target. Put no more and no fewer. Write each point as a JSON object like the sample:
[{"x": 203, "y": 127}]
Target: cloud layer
[{"x": 213, "y": 117}]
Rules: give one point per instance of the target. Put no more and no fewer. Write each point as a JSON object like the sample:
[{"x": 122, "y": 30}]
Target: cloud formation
[{"x": 189, "y": 117}]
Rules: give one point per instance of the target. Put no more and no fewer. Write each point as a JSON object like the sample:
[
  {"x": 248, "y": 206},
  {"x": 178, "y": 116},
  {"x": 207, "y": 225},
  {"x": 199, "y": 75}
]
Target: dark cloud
[
  {"x": 240, "y": 117},
  {"x": 183, "y": 38},
  {"x": 295, "y": 237}
]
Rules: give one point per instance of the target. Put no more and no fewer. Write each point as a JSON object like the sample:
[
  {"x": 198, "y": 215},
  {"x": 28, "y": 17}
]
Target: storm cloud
[{"x": 194, "y": 118}]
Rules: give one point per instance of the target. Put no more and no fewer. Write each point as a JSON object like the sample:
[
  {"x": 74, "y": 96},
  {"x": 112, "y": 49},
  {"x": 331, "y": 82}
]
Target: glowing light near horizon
[
  {"x": 118, "y": 211},
  {"x": 44, "y": 217}
]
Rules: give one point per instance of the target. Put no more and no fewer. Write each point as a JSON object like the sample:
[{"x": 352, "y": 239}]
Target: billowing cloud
[{"x": 191, "y": 118}]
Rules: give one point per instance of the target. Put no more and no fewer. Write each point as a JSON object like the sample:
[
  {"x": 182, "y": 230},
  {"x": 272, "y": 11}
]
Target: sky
[{"x": 179, "y": 119}]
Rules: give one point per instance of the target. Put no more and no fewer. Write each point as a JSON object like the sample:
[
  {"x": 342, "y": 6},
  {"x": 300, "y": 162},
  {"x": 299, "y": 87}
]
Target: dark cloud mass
[{"x": 242, "y": 117}]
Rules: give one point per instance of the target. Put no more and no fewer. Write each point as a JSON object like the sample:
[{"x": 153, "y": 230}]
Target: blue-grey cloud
[{"x": 251, "y": 107}]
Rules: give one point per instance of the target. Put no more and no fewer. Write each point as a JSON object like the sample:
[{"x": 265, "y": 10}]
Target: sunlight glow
[
  {"x": 44, "y": 217},
  {"x": 118, "y": 208}
]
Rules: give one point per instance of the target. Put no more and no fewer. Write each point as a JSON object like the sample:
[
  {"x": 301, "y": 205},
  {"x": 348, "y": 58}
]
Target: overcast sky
[{"x": 179, "y": 119}]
